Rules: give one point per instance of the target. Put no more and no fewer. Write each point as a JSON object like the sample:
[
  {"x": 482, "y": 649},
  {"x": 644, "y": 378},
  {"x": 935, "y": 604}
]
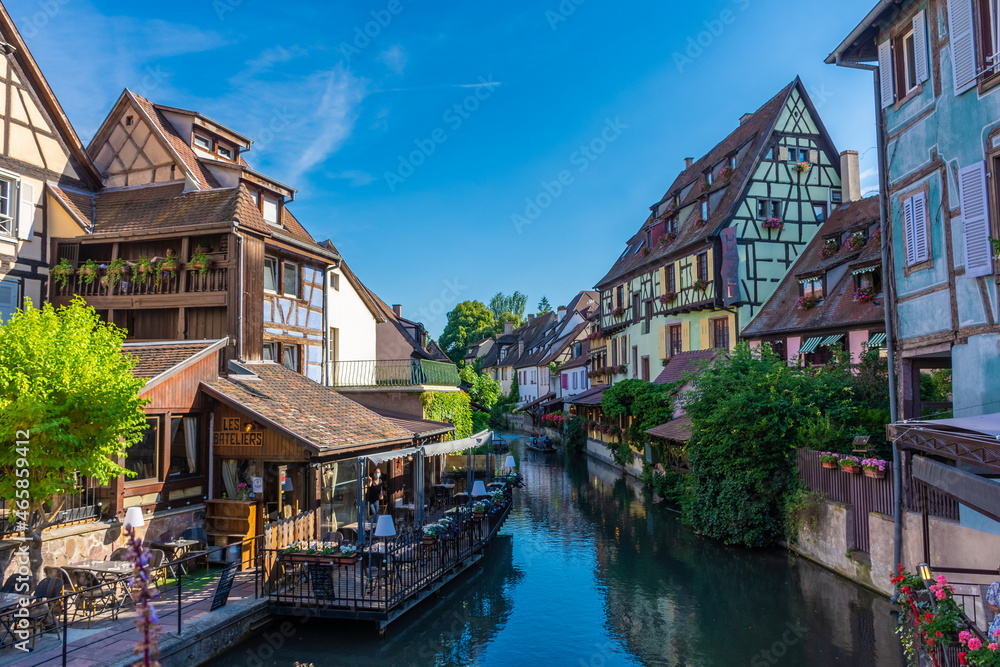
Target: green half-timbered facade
[{"x": 717, "y": 244}]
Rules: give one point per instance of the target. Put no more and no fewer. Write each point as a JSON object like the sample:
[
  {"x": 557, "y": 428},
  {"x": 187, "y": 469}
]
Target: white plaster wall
[{"x": 347, "y": 312}]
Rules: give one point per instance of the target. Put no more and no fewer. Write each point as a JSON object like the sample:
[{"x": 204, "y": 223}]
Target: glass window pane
[
  {"x": 140, "y": 458},
  {"x": 269, "y": 352},
  {"x": 270, "y": 274},
  {"x": 270, "y": 209},
  {"x": 291, "y": 279},
  {"x": 290, "y": 357},
  {"x": 184, "y": 445}
]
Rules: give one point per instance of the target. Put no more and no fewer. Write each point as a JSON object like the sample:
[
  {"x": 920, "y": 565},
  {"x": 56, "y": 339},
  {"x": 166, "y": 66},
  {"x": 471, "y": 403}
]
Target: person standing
[{"x": 376, "y": 491}]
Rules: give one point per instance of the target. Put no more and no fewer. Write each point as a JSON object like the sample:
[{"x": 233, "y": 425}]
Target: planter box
[
  {"x": 346, "y": 560},
  {"x": 428, "y": 541},
  {"x": 308, "y": 558},
  {"x": 830, "y": 465},
  {"x": 875, "y": 474},
  {"x": 854, "y": 470}
]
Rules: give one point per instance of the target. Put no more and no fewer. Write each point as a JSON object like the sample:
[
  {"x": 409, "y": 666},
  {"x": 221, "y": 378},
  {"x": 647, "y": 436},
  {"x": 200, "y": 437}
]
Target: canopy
[
  {"x": 390, "y": 456},
  {"x": 472, "y": 442},
  {"x": 877, "y": 340},
  {"x": 810, "y": 344},
  {"x": 830, "y": 340},
  {"x": 979, "y": 493}
]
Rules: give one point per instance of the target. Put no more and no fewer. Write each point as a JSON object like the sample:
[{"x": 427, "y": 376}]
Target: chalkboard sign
[{"x": 225, "y": 585}]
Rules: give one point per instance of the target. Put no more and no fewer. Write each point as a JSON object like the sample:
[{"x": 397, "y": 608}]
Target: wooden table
[
  {"x": 176, "y": 550},
  {"x": 353, "y": 527}
]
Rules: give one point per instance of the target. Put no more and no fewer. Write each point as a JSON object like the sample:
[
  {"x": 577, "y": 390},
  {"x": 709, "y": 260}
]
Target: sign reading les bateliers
[{"x": 234, "y": 434}]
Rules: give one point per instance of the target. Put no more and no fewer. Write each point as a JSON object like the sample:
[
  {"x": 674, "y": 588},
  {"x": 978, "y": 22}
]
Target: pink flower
[
  {"x": 941, "y": 580},
  {"x": 964, "y": 636},
  {"x": 975, "y": 644},
  {"x": 992, "y": 646},
  {"x": 941, "y": 594}
]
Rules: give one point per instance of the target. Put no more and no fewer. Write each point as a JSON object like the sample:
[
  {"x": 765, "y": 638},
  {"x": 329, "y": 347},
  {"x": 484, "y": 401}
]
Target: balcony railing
[
  {"x": 214, "y": 280},
  {"x": 393, "y": 373},
  {"x": 85, "y": 504}
]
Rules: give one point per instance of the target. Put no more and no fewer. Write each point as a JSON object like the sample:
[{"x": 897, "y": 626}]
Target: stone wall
[{"x": 600, "y": 452}]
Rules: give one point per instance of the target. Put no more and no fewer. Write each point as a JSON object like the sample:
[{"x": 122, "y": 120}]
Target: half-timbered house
[{"x": 715, "y": 246}]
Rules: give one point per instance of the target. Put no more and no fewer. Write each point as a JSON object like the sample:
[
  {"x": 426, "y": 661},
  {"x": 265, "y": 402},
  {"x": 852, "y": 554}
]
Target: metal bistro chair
[
  {"x": 44, "y": 610},
  {"x": 93, "y": 593},
  {"x": 201, "y": 553},
  {"x": 159, "y": 565},
  {"x": 461, "y": 499},
  {"x": 119, "y": 554}
]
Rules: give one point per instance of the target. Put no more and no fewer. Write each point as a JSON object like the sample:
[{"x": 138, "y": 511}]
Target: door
[{"x": 8, "y": 298}]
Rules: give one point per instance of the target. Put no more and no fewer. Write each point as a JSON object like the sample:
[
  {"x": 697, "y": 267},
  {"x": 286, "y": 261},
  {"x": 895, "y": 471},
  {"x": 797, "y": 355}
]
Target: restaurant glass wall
[{"x": 339, "y": 494}]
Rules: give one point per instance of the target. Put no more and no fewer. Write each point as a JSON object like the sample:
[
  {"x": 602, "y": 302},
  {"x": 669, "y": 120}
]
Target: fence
[
  {"x": 133, "y": 283},
  {"x": 394, "y": 373},
  {"x": 83, "y": 505}
]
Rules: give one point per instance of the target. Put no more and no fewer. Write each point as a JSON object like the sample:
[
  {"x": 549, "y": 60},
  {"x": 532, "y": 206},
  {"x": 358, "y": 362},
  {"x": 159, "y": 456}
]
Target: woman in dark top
[{"x": 375, "y": 491}]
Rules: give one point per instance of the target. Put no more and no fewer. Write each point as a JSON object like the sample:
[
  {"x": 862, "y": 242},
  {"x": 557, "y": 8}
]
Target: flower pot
[
  {"x": 874, "y": 474},
  {"x": 428, "y": 541},
  {"x": 830, "y": 465},
  {"x": 197, "y": 266},
  {"x": 346, "y": 560},
  {"x": 854, "y": 470},
  {"x": 478, "y": 515}
]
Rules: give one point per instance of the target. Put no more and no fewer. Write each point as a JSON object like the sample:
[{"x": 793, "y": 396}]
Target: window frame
[
  {"x": 285, "y": 263},
  {"x": 219, "y": 148},
  {"x": 772, "y": 208},
  {"x": 8, "y": 217},
  {"x": 334, "y": 281},
  {"x": 198, "y": 446},
  {"x": 296, "y": 353},
  {"x": 676, "y": 344},
  {"x": 270, "y": 345},
  {"x": 671, "y": 276},
  {"x": 211, "y": 142},
  {"x": 811, "y": 281},
  {"x": 904, "y": 200},
  {"x": 701, "y": 268},
  {"x": 716, "y": 328},
  {"x": 274, "y": 272},
  {"x": 157, "y": 454}
]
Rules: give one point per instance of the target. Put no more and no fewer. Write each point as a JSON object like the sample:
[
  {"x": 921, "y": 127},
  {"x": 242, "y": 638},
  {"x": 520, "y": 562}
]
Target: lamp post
[{"x": 509, "y": 463}]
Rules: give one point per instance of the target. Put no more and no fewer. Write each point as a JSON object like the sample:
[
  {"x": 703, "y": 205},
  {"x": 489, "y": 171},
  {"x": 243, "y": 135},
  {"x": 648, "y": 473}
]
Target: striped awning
[
  {"x": 877, "y": 340},
  {"x": 810, "y": 344},
  {"x": 863, "y": 270},
  {"x": 830, "y": 340}
]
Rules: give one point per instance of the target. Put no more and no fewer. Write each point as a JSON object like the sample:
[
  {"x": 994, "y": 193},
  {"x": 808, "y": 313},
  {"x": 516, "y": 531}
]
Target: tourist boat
[{"x": 540, "y": 448}]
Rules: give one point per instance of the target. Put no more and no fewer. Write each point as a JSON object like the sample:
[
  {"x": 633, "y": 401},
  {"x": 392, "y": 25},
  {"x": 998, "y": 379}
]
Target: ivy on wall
[{"x": 449, "y": 406}]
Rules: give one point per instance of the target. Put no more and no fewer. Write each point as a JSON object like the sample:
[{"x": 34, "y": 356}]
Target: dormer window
[
  {"x": 732, "y": 162},
  {"x": 812, "y": 287},
  {"x": 224, "y": 151},
  {"x": 203, "y": 142},
  {"x": 708, "y": 178},
  {"x": 269, "y": 208},
  {"x": 704, "y": 209}
]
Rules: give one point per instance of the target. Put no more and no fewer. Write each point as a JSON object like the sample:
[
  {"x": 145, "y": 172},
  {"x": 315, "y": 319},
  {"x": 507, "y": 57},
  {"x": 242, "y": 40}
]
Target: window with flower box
[
  {"x": 769, "y": 208},
  {"x": 702, "y": 266},
  {"x": 671, "y": 277},
  {"x": 676, "y": 339},
  {"x": 812, "y": 287},
  {"x": 720, "y": 333},
  {"x": 704, "y": 209}
]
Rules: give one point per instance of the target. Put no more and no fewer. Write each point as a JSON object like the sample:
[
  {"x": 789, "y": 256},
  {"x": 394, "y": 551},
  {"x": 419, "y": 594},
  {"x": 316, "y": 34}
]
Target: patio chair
[
  {"x": 10, "y": 586},
  {"x": 45, "y": 610},
  {"x": 119, "y": 554},
  {"x": 93, "y": 594},
  {"x": 201, "y": 552},
  {"x": 157, "y": 565},
  {"x": 403, "y": 554},
  {"x": 69, "y": 586},
  {"x": 321, "y": 581},
  {"x": 461, "y": 499}
]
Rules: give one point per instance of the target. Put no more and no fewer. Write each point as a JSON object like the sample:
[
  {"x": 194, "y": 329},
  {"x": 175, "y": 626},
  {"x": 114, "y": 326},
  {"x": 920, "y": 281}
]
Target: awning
[
  {"x": 439, "y": 448},
  {"x": 979, "y": 493},
  {"x": 537, "y": 401},
  {"x": 810, "y": 344},
  {"x": 390, "y": 456},
  {"x": 877, "y": 340},
  {"x": 830, "y": 340},
  {"x": 677, "y": 429},
  {"x": 866, "y": 269}
]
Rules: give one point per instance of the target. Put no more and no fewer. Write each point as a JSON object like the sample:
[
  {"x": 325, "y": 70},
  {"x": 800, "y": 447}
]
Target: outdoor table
[
  {"x": 353, "y": 527},
  {"x": 113, "y": 573},
  {"x": 176, "y": 550},
  {"x": 7, "y": 602}
]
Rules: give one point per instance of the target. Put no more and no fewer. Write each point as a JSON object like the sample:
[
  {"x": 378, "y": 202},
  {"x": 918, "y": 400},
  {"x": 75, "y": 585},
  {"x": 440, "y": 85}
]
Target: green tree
[
  {"x": 449, "y": 406},
  {"x": 748, "y": 413},
  {"x": 69, "y": 408},
  {"x": 483, "y": 390},
  {"x": 469, "y": 322},
  {"x": 514, "y": 396},
  {"x": 644, "y": 405},
  {"x": 507, "y": 309},
  {"x": 544, "y": 306}
]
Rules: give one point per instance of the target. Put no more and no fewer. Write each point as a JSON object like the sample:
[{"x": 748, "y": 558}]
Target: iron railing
[
  {"x": 85, "y": 504},
  {"x": 393, "y": 373}
]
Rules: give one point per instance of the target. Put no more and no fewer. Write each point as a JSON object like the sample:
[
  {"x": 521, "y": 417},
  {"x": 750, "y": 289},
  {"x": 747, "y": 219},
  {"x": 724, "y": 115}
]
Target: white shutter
[
  {"x": 920, "y": 45},
  {"x": 813, "y": 157},
  {"x": 783, "y": 153},
  {"x": 975, "y": 220},
  {"x": 961, "y": 30},
  {"x": 908, "y": 228},
  {"x": 886, "y": 73},
  {"x": 26, "y": 211},
  {"x": 920, "y": 225}
]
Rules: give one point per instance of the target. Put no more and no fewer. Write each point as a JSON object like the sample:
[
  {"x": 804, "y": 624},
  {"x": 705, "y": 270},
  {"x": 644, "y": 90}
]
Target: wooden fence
[{"x": 300, "y": 528}]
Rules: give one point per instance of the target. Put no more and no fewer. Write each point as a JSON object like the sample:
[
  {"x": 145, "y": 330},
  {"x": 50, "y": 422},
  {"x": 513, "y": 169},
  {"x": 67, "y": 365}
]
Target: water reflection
[{"x": 590, "y": 571}]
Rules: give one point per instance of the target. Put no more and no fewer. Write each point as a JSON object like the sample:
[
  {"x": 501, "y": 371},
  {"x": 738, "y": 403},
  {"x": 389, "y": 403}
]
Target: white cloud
[
  {"x": 356, "y": 177},
  {"x": 395, "y": 58}
]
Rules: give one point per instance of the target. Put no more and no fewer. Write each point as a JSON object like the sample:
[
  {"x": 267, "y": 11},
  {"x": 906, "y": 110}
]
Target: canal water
[{"x": 591, "y": 571}]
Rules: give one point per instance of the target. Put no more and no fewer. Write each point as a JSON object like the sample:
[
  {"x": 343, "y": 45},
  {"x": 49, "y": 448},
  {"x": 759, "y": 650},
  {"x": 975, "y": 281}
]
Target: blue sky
[{"x": 414, "y": 146}]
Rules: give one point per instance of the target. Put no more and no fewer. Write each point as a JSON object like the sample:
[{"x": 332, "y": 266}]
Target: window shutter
[
  {"x": 813, "y": 156},
  {"x": 920, "y": 45},
  {"x": 920, "y": 253},
  {"x": 961, "y": 30},
  {"x": 885, "y": 72},
  {"x": 677, "y": 275},
  {"x": 732, "y": 330},
  {"x": 26, "y": 211},
  {"x": 686, "y": 336},
  {"x": 975, "y": 221},
  {"x": 908, "y": 228},
  {"x": 703, "y": 334},
  {"x": 663, "y": 341},
  {"x": 783, "y": 153},
  {"x": 663, "y": 280},
  {"x": 565, "y": 381},
  {"x": 708, "y": 262}
]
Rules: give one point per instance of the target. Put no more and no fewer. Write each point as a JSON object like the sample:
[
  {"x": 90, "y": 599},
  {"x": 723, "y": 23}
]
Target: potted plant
[
  {"x": 618, "y": 312},
  {"x": 668, "y": 237},
  {"x": 348, "y": 554},
  {"x": 807, "y": 301},
  {"x": 802, "y": 167},
  {"x": 773, "y": 223},
  {"x": 850, "y": 464},
  {"x": 829, "y": 460},
  {"x": 874, "y": 468},
  {"x": 430, "y": 534},
  {"x": 622, "y": 369},
  {"x": 700, "y": 222},
  {"x": 829, "y": 249},
  {"x": 88, "y": 272},
  {"x": 726, "y": 172},
  {"x": 143, "y": 270},
  {"x": 856, "y": 241},
  {"x": 61, "y": 272},
  {"x": 644, "y": 250},
  {"x": 994, "y": 242},
  {"x": 116, "y": 269},
  {"x": 200, "y": 263},
  {"x": 863, "y": 294},
  {"x": 703, "y": 187},
  {"x": 479, "y": 510},
  {"x": 243, "y": 491},
  {"x": 165, "y": 266},
  {"x": 668, "y": 297},
  {"x": 701, "y": 285}
]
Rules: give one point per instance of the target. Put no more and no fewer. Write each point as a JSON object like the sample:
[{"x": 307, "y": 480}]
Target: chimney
[
  {"x": 508, "y": 327},
  {"x": 520, "y": 347},
  {"x": 688, "y": 162},
  {"x": 398, "y": 309},
  {"x": 745, "y": 117},
  {"x": 531, "y": 318},
  {"x": 560, "y": 313},
  {"x": 850, "y": 176}
]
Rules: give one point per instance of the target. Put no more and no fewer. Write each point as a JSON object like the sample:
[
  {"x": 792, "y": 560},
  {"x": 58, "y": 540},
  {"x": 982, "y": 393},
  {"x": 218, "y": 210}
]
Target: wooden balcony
[{"x": 157, "y": 291}]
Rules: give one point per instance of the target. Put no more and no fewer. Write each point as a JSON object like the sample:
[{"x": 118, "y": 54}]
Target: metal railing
[
  {"x": 393, "y": 373},
  {"x": 83, "y": 505}
]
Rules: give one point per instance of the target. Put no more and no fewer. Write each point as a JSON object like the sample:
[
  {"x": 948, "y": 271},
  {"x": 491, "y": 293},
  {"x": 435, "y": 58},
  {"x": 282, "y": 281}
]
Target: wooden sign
[{"x": 235, "y": 433}]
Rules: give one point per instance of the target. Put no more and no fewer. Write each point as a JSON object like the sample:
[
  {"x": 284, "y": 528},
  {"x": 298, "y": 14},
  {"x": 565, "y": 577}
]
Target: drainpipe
[{"x": 888, "y": 280}]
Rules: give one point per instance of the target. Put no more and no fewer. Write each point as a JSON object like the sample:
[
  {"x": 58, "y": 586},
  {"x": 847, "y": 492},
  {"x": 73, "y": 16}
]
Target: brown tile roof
[
  {"x": 415, "y": 425},
  {"x": 838, "y": 309},
  {"x": 166, "y": 207},
  {"x": 313, "y": 414},
  {"x": 681, "y": 365},
  {"x": 178, "y": 143},
  {"x": 294, "y": 228},
  {"x": 540, "y": 399},
  {"x": 724, "y": 194},
  {"x": 81, "y": 204},
  {"x": 590, "y": 397},
  {"x": 153, "y": 359},
  {"x": 678, "y": 430}
]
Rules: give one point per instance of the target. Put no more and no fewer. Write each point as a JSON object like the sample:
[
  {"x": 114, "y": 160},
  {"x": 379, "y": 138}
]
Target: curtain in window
[
  {"x": 229, "y": 477},
  {"x": 191, "y": 443}
]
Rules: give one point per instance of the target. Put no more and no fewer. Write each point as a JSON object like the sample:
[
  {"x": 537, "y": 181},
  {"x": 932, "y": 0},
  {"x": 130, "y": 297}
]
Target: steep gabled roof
[
  {"x": 838, "y": 309},
  {"x": 178, "y": 145},
  {"x": 751, "y": 140},
  {"x": 79, "y": 205},
  {"x": 684, "y": 364},
  {"x": 156, "y": 362}
]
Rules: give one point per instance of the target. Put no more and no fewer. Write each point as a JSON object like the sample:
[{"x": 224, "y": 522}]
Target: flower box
[
  {"x": 773, "y": 223},
  {"x": 874, "y": 474},
  {"x": 478, "y": 516},
  {"x": 856, "y": 241},
  {"x": 346, "y": 560},
  {"x": 829, "y": 249},
  {"x": 850, "y": 464},
  {"x": 802, "y": 167},
  {"x": 830, "y": 465},
  {"x": 874, "y": 468},
  {"x": 854, "y": 470},
  {"x": 700, "y": 285},
  {"x": 428, "y": 541}
]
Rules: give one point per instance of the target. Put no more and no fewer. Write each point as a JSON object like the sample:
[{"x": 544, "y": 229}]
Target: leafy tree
[
  {"x": 576, "y": 434},
  {"x": 644, "y": 405},
  {"x": 544, "y": 306},
  {"x": 508, "y": 309},
  {"x": 468, "y": 323},
  {"x": 449, "y": 406},
  {"x": 748, "y": 413},
  {"x": 515, "y": 393},
  {"x": 69, "y": 407},
  {"x": 483, "y": 390}
]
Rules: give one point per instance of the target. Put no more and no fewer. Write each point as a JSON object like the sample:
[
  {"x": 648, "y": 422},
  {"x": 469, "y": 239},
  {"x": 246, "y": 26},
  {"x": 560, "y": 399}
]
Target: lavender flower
[{"x": 146, "y": 621}]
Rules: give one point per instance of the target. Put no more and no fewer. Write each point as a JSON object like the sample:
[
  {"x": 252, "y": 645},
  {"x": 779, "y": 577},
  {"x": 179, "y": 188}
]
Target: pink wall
[
  {"x": 792, "y": 345},
  {"x": 854, "y": 343}
]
